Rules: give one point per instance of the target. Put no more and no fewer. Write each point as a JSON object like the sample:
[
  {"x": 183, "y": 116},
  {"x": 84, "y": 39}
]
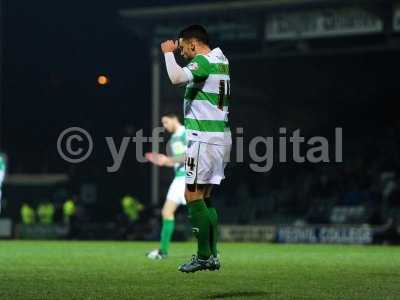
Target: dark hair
[
  {"x": 171, "y": 115},
  {"x": 197, "y": 32}
]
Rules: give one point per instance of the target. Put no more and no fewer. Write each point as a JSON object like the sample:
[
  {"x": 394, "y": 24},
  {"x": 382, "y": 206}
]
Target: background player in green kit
[
  {"x": 176, "y": 191},
  {"x": 206, "y": 101}
]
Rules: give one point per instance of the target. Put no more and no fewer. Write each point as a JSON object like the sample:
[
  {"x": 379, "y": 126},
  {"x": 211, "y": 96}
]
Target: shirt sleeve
[
  {"x": 198, "y": 68},
  {"x": 176, "y": 74}
]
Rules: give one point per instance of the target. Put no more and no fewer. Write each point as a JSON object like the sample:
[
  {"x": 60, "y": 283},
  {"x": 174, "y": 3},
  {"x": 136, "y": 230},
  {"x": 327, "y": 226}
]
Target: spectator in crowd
[
  {"x": 69, "y": 212},
  {"x": 131, "y": 209},
  {"x": 45, "y": 212},
  {"x": 27, "y": 214}
]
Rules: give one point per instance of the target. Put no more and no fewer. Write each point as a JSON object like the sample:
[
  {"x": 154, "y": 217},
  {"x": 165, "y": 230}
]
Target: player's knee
[
  {"x": 189, "y": 196},
  {"x": 168, "y": 210},
  {"x": 193, "y": 193},
  {"x": 167, "y": 214}
]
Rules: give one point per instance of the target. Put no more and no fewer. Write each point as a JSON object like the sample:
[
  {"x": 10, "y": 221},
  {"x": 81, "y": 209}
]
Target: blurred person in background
[
  {"x": 69, "y": 210},
  {"x": 45, "y": 212},
  {"x": 176, "y": 191},
  {"x": 27, "y": 214},
  {"x": 392, "y": 213},
  {"x": 131, "y": 209},
  {"x": 69, "y": 213}
]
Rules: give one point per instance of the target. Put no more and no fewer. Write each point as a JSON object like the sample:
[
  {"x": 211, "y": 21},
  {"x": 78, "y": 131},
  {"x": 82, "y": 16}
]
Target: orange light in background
[{"x": 102, "y": 80}]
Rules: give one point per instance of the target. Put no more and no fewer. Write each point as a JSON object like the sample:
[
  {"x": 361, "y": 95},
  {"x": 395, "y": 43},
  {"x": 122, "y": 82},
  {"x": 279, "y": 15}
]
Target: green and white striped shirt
[
  {"x": 207, "y": 98},
  {"x": 178, "y": 144}
]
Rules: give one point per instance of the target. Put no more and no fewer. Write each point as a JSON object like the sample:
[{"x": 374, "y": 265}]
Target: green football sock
[
  {"x": 213, "y": 215},
  {"x": 198, "y": 217},
  {"x": 166, "y": 235}
]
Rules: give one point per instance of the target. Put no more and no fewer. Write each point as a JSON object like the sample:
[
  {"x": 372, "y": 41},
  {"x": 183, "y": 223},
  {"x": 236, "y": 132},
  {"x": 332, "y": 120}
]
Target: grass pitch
[{"x": 119, "y": 270}]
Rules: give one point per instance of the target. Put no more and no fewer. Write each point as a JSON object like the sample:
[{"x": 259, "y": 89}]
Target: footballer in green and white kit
[
  {"x": 176, "y": 192},
  {"x": 178, "y": 144},
  {"x": 206, "y": 101}
]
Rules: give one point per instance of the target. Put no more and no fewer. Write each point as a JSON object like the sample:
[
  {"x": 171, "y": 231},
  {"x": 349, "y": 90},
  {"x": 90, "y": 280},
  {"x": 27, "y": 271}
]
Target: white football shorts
[
  {"x": 176, "y": 191},
  {"x": 205, "y": 163}
]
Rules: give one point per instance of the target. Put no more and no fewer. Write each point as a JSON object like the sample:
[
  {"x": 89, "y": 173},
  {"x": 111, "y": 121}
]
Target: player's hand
[
  {"x": 157, "y": 158},
  {"x": 169, "y": 46},
  {"x": 161, "y": 160}
]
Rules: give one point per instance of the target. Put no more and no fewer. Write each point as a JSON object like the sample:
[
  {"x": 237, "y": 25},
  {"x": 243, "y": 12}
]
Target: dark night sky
[
  {"x": 54, "y": 50},
  {"x": 52, "y": 54}
]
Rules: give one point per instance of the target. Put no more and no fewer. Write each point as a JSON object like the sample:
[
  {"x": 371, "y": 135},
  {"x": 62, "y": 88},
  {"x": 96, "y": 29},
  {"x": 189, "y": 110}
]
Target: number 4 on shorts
[{"x": 190, "y": 163}]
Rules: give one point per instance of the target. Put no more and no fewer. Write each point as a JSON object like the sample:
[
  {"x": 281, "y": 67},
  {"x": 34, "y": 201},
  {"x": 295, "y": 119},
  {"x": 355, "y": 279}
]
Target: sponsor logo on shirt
[{"x": 193, "y": 66}]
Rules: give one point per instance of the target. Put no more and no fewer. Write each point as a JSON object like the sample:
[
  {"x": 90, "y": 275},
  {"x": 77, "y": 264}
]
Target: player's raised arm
[{"x": 175, "y": 72}]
